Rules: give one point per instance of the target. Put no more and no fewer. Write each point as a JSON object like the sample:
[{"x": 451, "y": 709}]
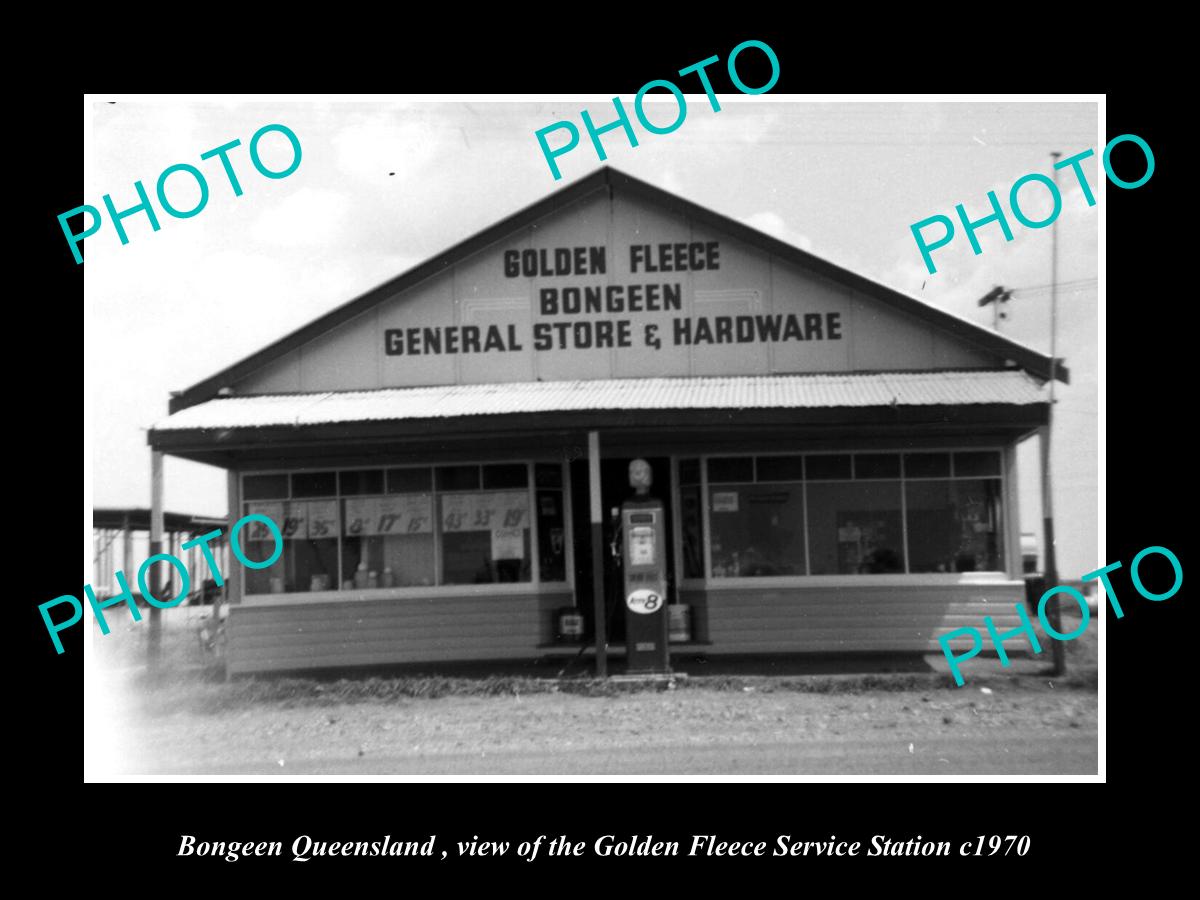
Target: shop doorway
[{"x": 614, "y": 489}]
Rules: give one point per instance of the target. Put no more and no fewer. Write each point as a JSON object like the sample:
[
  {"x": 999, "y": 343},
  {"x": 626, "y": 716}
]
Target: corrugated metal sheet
[{"x": 761, "y": 392}]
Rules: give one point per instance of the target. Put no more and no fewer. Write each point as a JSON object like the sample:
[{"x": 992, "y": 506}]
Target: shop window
[
  {"x": 976, "y": 465},
  {"x": 855, "y": 527},
  {"x": 485, "y": 537},
  {"x": 515, "y": 475},
  {"x": 757, "y": 530},
  {"x": 730, "y": 469},
  {"x": 409, "y": 481},
  {"x": 310, "y": 546},
  {"x": 375, "y": 528},
  {"x": 314, "y": 484},
  {"x": 265, "y": 487},
  {"x": 926, "y": 465},
  {"x": 876, "y": 465},
  {"x": 458, "y": 478},
  {"x": 780, "y": 468},
  {"x": 824, "y": 467},
  {"x": 360, "y": 481},
  {"x": 388, "y": 541},
  {"x": 954, "y": 526},
  {"x": 844, "y": 514}
]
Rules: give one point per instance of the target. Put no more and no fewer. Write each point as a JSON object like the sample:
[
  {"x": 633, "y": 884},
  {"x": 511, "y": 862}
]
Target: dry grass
[{"x": 194, "y": 682}]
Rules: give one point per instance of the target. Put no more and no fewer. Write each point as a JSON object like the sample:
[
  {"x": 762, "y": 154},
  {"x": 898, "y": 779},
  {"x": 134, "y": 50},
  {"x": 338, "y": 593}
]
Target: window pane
[
  {"x": 854, "y": 528},
  {"x": 312, "y": 565},
  {"x": 360, "y": 481},
  {"x": 265, "y": 487},
  {"x": 692, "y": 517},
  {"x": 877, "y": 465},
  {"x": 926, "y": 465},
  {"x": 485, "y": 537},
  {"x": 552, "y": 536},
  {"x": 731, "y": 469},
  {"x": 383, "y": 561},
  {"x": 314, "y": 484},
  {"x": 824, "y": 468},
  {"x": 976, "y": 464},
  {"x": 780, "y": 468},
  {"x": 548, "y": 475},
  {"x": 309, "y": 561},
  {"x": 259, "y": 581},
  {"x": 388, "y": 541},
  {"x": 515, "y": 475},
  {"x": 689, "y": 471},
  {"x": 458, "y": 478},
  {"x": 407, "y": 481},
  {"x": 757, "y": 530},
  {"x": 954, "y": 526}
]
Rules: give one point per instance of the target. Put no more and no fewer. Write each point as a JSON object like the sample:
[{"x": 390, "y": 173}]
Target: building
[
  {"x": 123, "y": 528},
  {"x": 837, "y": 459}
]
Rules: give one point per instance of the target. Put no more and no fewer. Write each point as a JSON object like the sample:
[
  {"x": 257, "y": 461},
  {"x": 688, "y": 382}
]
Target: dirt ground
[{"x": 722, "y": 720}]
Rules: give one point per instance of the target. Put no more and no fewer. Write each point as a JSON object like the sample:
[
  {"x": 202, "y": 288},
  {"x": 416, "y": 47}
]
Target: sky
[{"x": 385, "y": 184}]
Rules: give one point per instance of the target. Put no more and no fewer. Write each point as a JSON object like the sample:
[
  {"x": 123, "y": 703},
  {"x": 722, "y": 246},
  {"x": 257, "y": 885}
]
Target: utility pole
[
  {"x": 995, "y": 297},
  {"x": 1051, "y": 574}
]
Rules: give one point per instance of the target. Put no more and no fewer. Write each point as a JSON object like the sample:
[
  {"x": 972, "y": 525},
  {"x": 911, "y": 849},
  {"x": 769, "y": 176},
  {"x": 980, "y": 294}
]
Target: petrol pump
[{"x": 643, "y": 557}]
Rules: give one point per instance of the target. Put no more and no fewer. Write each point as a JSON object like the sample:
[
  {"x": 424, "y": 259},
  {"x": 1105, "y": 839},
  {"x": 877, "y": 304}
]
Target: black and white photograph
[{"x": 687, "y": 434}]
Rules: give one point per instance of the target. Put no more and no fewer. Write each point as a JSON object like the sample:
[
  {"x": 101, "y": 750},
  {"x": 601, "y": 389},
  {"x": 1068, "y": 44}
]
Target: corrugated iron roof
[{"x": 1010, "y": 387}]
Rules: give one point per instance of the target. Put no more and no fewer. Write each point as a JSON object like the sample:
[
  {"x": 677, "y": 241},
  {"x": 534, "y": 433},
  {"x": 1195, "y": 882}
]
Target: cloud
[
  {"x": 962, "y": 276},
  {"x": 308, "y": 217},
  {"x": 404, "y": 142},
  {"x": 774, "y": 225}
]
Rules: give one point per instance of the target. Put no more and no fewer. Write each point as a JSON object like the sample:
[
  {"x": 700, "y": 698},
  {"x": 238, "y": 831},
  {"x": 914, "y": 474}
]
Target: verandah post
[{"x": 597, "y": 520}]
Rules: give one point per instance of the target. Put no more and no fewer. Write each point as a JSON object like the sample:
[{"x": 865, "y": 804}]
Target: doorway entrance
[{"x": 614, "y": 490}]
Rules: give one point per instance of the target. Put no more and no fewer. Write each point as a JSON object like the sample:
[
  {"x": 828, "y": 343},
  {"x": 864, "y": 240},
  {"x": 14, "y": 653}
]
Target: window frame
[
  {"x": 1007, "y": 509},
  {"x": 437, "y": 590}
]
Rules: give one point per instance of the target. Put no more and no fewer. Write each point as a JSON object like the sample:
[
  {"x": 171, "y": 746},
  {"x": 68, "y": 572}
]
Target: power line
[{"x": 1072, "y": 283}]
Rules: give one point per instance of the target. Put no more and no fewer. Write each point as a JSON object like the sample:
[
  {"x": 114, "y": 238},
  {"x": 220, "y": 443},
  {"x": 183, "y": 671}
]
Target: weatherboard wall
[
  {"x": 394, "y": 631},
  {"x": 848, "y": 618},
  {"x": 360, "y": 630}
]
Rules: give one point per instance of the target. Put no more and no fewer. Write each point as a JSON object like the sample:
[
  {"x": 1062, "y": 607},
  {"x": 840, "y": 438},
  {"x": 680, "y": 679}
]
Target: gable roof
[{"x": 606, "y": 177}]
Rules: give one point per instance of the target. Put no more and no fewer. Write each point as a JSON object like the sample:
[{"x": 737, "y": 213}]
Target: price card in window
[
  {"x": 511, "y": 509},
  {"x": 322, "y": 519},
  {"x": 362, "y": 516},
  {"x": 508, "y": 543},
  {"x": 457, "y": 512},
  {"x": 406, "y": 514},
  {"x": 295, "y": 520},
  {"x": 485, "y": 511},
  {"x": 255, "y": 530}
]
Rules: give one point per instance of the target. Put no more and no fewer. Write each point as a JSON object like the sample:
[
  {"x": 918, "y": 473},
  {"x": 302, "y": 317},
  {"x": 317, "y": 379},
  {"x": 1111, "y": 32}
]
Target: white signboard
[
  {"x": 485, "y": 511},
  {"x": 508, "y": 543},
  {"x": 256, "y": 530},
  {"x": 644, "y": 601},
  {"x": 322, "y": 519},
  {"x": 406, "y": 514},
  {"x": 392, "y": 514},
  {"x": 725, "y": 501}
]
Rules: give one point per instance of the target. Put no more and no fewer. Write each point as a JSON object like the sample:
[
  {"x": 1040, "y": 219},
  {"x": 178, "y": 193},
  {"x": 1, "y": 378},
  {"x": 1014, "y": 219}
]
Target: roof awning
[{"x": 1012, "y": 388}]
